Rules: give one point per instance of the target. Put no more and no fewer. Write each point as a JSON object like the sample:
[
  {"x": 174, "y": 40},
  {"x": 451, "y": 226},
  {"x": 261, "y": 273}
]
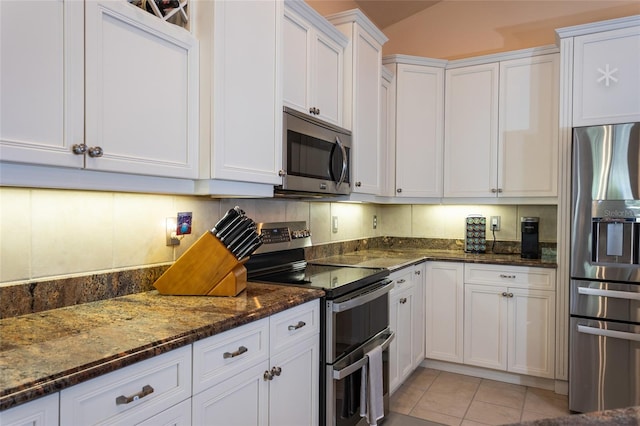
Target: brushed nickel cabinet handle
[
  {"x": 95, "y": 151},
  {"x": 300, "y": 324},
  {"x": 507, "y": 276},
  {"x": 401, "y": 280},
  {"x": 403, "y": 300},
  {"x": 267, "y": 375},
  {"x": 276, "y": 371},
  {"x": 79, "y": 148},
  {"x": 146, "y": 390},
  {"x": 240, "y": 351}
]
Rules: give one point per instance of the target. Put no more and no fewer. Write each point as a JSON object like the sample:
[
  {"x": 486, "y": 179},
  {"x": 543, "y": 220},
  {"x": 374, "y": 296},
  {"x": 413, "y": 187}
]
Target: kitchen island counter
[
  {"x": 45, "y": 352},
  {"x": 397, "y": 258}
]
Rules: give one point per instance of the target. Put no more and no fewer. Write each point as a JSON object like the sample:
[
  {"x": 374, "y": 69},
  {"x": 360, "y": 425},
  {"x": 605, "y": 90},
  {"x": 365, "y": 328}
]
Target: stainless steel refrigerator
[{"x": 604, "y": 357}]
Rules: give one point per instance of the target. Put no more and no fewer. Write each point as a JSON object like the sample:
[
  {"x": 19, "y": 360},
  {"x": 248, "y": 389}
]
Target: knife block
[{"x": 207, "y": 268}]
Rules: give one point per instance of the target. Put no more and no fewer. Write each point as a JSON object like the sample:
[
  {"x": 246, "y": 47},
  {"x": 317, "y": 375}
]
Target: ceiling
[{"x": 387, "y": 12}]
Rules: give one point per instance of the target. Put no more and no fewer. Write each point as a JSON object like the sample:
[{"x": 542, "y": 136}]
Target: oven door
[
  {"x": 353, "y": 319},
  {"x": 344, "y": 379}
]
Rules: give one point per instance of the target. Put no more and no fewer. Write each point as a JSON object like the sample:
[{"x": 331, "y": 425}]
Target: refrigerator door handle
[
  {"x": 609, "y": 293},
  {"x": 609, "y": 333}
]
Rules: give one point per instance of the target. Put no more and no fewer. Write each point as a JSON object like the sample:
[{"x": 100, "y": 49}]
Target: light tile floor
[{"x": 456, "y": 399}]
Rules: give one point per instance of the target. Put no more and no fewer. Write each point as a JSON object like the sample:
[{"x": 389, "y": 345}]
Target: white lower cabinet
[
  {"x": 262, "y": 373},
  {"x": 444, "y": 311},
  {"x": 406, "y": 319},
  {"x": 178, "y": 415},
  {"x": 132, "y": 394},
  {"x": 509, "y": 319},
  {"x": 41, "y": 412}
]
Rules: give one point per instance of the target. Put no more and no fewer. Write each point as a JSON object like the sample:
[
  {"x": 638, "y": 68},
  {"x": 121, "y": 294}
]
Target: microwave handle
[{"x": 345, "y": 162}]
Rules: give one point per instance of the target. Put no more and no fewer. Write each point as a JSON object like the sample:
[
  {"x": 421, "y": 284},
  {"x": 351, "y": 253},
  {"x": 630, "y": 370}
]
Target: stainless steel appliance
[
  {"x": 316, "y": 157},
  {"x": 354, "y": 315},
  {"x": 604, "y": 368}
]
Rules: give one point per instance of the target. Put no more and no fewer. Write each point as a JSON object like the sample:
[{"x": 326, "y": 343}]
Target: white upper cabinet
[
  {"x": 98, "y": 84},
  {"x": 313, "y": 53},
  {"x": 471, "y": 131},
  {"x": 501, "y": 131},
  {"x": 241, "y": 92},
  {"x": 606, "y": 79},
  {"x": 141, "y": 92},
  {"x": 419, "y": 126},
  {"x": 361, "y": 111}
]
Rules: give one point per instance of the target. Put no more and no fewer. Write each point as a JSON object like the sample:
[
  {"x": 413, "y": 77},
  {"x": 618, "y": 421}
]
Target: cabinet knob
[
  {"x": 282, "y": 173},
  {"x": 358, "y": 184},
  {"x": 399, "y": 190},
  {"x": 504, "y": 294},
  {"x": 267, "y": 375},
  {"x": 79, "y": 148},
  {"x": 417, "y": 272},
  {"x": 403, "y": 300},
  {"x": 314, "y": 111},
  {"x": 510, "y": 295},
  {"x": 95, "y": 152},
  {"x": 499, "y": 190},
  {"x": 276, "y": 371},
  {"x": 494, "y": 190}
]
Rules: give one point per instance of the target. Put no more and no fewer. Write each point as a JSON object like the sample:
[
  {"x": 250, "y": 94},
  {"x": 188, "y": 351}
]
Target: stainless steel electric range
[{"x": 354, "y": 315}]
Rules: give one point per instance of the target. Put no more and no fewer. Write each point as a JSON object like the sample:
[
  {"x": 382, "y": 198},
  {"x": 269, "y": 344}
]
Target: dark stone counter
[
  {"x": 401, "y": 257},
  {"x": 620, "y": 417},
  {"x": 45, "y": 352}
]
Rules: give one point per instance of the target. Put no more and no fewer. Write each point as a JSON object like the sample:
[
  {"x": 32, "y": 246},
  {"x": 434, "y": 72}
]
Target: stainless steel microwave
[{"x": 316, "y": 157}]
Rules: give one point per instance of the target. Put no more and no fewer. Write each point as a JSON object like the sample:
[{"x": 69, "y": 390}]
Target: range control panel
[{"x": 283, "y": 235}]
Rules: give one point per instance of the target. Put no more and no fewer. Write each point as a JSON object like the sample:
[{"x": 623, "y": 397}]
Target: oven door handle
[
  {"x": 362, "y": 299},
  {"x": 351, "y": 368}
]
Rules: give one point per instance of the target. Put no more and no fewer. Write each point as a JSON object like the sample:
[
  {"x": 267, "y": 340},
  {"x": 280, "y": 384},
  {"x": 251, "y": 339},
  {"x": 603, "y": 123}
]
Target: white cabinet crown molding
[
  {"x": 414, "y": 60},
  {"x": 387, "y": 74},
  {"x": 320, "y": 22},
  {"x": 504, "y": 56},
  {"x": 596, "y": 27},
  {"x": 355, "y": 15}
]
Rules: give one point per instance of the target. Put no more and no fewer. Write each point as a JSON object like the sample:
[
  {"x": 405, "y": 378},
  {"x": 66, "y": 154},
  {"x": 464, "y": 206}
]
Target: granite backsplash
[{"x": 37, "y": 296}]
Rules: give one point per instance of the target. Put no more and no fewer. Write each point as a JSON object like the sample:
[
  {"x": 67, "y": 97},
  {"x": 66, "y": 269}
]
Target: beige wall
[
  {"x": 454, "y": 29},
  {"x": 50, "y": 233}
]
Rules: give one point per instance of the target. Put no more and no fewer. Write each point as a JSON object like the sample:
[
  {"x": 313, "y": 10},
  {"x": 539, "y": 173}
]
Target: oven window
[
  {"x": 355, "y": 326},
  {"x": 313, "y": 158}
]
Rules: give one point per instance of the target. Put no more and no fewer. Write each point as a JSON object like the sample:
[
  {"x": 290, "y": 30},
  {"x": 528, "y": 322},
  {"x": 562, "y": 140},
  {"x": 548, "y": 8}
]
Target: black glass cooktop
[{"x": 334, "y": 280}]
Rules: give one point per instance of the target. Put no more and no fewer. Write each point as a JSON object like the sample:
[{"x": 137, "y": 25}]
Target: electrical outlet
[
  {"x": 495, "y": 223},
  {"x": 334, "y": 224},
  {"x": 375, "y": 222}
]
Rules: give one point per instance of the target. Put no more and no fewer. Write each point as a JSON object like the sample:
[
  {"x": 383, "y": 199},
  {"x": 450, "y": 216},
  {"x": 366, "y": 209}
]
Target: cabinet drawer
[
  {"x": 41, "y": 412},
  {"x": 402, "y": 278},
  {"x": 512, "y": 276},
  {"x": 131, "y": 394},
  {"x": 294, "y": 325},
  {"x": 224, "y": 355}
]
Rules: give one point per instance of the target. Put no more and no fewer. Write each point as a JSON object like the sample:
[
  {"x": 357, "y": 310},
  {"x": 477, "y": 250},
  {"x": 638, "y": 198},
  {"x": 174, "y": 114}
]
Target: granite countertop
[
  {"x": 45, "y": 352},
  {"x": 619, "y": 417},
  {"x": 401, "y": 257}
]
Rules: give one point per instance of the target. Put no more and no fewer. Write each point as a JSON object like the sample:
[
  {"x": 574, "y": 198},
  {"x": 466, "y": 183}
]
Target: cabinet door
[
  {"x": 247, "y": 98},
  {"x": 444, "y": 311},
  {"x": 419, "y": 130},
  {"x": 293, "y": 391},
  {"x": 327, "y": 81},
  {"x": 296, "y": 56},
  {"x": 529, "y": 129},
  {"x": 141, "y": 92},
  {"x": 368, "y": 148},
  {"x": 400, "y": 352},
  {"x": 606, "y": 81},
  {"x": 42, "y": 84},
  {"x": 387, "y": 136},
  {"x": 531, "y": 339},
  {"x": 471, "y": 131},
  {"x": 485, "y": 326},
  {"x": 239, "y": 401},
  {"x": 41, "y": 412}
]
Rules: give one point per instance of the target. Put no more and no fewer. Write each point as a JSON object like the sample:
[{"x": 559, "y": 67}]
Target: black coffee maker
[{"x": 529, "y": 228}]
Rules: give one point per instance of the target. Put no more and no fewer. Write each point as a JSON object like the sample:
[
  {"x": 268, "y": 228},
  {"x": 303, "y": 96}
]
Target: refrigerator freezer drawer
[
  {"x": 612, "y": 301},
  {"x": 604, "y": 370}
]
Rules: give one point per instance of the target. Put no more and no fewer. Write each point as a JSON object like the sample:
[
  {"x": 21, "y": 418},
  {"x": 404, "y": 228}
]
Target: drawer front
[
  {"x": 402, "y": 278},
  {"x": 294, "y": 325},
  {"x": 224, "y": 355},
  {"x": 131, "y": 394},
  {"x": 511, "y": 276},
  {"x": 41, "y": 412}
]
